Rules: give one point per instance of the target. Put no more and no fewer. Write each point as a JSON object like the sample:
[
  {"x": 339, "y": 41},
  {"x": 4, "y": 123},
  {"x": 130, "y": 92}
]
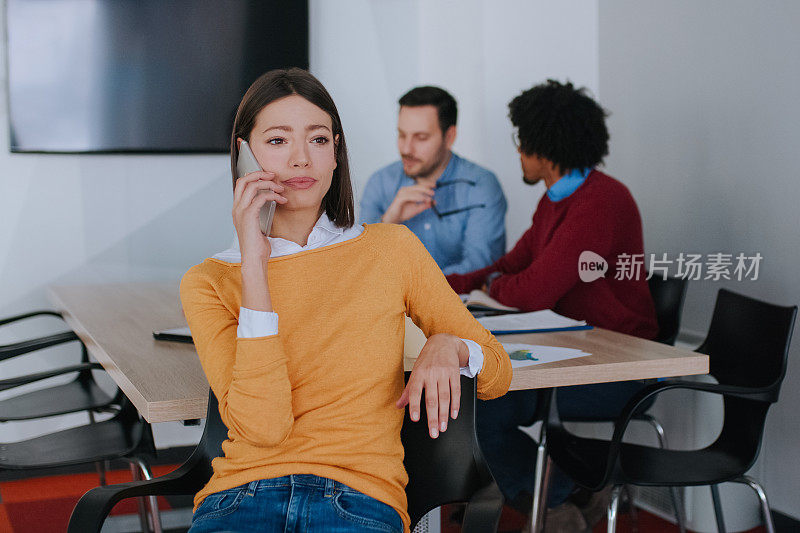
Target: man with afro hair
[{"x": 562, "y": 138}]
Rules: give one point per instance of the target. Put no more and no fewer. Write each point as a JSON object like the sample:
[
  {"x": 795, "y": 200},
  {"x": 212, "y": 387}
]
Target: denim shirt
[{"x": 469, "y": 231}]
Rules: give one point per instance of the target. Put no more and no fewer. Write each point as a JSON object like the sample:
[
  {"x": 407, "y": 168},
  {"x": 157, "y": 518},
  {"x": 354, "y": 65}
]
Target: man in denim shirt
[{"x": 455, "y": 207}]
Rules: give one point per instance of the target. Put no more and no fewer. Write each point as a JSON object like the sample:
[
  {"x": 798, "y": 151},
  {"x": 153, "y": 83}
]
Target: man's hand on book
[{"x": 436, "y": 371}]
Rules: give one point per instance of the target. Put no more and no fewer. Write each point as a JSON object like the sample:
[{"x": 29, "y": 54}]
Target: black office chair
[
  {"x": 451, "y": 468},
  {"x": 94, "y": 506},
  {"x": 445, "y": 470},
  {"x": 80, "y": 394},
  {"x": 747, "y": 344},
  {"x": 124, "y": 437},
  {"x": 668, "y": 297}
]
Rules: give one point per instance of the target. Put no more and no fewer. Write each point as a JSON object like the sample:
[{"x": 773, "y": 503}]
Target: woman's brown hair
[{"x": 277, "y": 84}]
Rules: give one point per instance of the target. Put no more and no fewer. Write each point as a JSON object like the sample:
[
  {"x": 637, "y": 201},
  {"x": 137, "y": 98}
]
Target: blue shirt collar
[
  {"x": 568, "y": 184},
  {"x": 449, "y": 170}
]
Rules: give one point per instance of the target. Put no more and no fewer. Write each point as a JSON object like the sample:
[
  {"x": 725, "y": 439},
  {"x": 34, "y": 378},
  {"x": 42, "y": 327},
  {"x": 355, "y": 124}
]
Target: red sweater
[{"x": 541, "y": 272}]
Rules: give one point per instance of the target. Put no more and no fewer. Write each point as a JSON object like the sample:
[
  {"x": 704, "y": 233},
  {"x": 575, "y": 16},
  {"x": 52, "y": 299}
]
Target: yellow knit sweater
[{"x": 318, "y": 398}]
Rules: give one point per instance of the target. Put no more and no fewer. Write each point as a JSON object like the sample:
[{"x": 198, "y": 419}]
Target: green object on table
[{"x": 522, "y": 355}]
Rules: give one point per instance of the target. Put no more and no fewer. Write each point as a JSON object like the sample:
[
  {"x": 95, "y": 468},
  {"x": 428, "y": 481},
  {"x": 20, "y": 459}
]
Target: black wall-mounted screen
[{"x": 141, "y": 75}]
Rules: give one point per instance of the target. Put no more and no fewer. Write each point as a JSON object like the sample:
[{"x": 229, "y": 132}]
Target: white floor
[
  {"x": 182, "y": 518},
  {"x": 170, "y": 519}
]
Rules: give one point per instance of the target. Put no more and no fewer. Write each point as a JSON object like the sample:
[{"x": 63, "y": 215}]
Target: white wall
[
  {"x": 704, "y": 131},
  {"x": 369, "y": 53},
  {"x": 84, "y": 218}
]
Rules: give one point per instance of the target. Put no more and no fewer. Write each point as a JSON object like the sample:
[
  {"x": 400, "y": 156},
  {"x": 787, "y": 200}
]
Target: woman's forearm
[{"x": 255, "y": 289}]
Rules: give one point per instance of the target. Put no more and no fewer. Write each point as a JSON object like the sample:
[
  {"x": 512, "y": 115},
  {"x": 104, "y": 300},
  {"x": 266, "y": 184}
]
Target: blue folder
[{"x": 541, "y": 330}]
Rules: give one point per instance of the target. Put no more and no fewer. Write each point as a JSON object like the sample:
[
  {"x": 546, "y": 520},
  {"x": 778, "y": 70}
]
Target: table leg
[{"x": 542, "y": 481}]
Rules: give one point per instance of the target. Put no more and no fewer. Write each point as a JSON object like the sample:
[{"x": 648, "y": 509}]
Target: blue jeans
[
  {"x": 511, "y": 453},
  {"x": 295, "y": 503}
]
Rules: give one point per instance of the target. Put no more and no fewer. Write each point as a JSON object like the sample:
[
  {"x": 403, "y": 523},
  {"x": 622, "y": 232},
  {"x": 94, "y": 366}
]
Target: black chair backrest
[
  {"x": 747, "y": 346},
  {"x": 215, "y": 431},
  {"x": 668, "y": 295},
  {"x": 197, "y": 468},
  {"x": 447, "y": 469},
  {"x": 444, "y": 470},
  {"x": 748, "y": 343}
]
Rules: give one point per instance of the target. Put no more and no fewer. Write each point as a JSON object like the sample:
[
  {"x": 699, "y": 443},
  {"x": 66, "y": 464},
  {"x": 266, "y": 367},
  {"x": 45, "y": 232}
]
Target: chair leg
[
  {"x": 762, "y": 498},
  {"x": 153, "y": 500},
  {"x": 101, "y": 472},
  {"x": 540, "y": 484},
  {"x": 626, "y": 491},
  {"x": 137, "y": 476},
  {"x": 717, "y": 508},
  {"x": 650, "y": 419},
  {"x": 677, "y": 504},
  {"x": 613, "y": 506},
  {"x": 100, "y": 466}
]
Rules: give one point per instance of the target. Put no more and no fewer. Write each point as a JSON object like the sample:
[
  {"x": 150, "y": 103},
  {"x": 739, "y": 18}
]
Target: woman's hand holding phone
[{"x": 250, "y": 194}]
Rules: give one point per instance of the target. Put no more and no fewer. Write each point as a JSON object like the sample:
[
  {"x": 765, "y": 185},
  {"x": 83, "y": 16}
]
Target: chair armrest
[
  {"x": 631, "y": 408},
  {"x": 483, "y": 510},
  {"x": 8, "y": 351},
  {"x": 94, "y": 506},
  {"x": 10, "y": 383},
  {"x": 15, "y": 318}
]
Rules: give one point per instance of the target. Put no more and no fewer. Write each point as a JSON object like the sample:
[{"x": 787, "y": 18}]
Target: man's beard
[
  {"x": 426, "y": 170},
  {"x": 530, "y": 181}
]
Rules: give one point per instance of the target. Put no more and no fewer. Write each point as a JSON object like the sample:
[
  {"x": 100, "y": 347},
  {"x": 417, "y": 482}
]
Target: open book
[
  {"x": 479, "y": 302},
  {"x": 533, "y": 322}
]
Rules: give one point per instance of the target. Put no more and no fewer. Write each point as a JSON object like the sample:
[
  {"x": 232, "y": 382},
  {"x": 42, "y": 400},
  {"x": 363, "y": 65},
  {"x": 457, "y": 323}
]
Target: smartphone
[
  {"x": 175, "y": 335},
  {"x": 244, "y": 165}
]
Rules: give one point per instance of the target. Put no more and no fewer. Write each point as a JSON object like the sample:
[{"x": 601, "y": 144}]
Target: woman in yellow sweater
[{"x": 314, "y": 404}]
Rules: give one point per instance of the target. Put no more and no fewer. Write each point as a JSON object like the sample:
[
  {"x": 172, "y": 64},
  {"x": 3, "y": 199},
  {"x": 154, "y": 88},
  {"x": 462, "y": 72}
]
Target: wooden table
[
  {"x": 615, "y": 357},
  {"x": 165, "y": 381}
]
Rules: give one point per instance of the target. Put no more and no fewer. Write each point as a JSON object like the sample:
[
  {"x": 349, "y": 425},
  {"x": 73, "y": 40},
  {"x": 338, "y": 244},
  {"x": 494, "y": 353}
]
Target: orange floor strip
[{"x": 44, "y": 504}]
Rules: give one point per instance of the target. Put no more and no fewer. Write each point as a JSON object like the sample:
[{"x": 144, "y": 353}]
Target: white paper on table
[
  {"x": 545, "y": 319},
  {"x": 543, "y": 354}
]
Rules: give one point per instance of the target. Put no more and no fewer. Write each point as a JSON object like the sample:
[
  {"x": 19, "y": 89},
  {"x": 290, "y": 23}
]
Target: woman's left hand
[{"x": 436, "y": 371}]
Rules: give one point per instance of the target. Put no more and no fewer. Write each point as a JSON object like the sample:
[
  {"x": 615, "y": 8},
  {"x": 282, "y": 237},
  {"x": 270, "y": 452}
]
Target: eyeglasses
[
  {"x": 441, "y": 184},
  {"x": 515, "y": 139}
]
